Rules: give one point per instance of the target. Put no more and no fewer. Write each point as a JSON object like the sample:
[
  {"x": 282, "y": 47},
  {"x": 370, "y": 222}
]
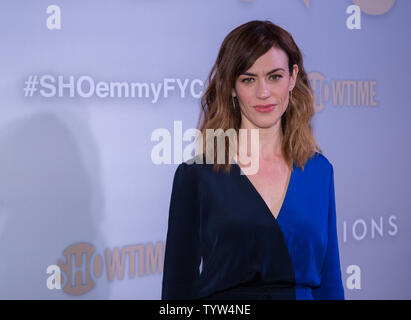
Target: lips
[{"x": 264, "y": 108}]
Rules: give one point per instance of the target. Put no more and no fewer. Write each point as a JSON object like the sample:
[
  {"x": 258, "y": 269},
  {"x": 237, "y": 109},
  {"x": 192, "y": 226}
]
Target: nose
[{"x": 262, "y": 90}]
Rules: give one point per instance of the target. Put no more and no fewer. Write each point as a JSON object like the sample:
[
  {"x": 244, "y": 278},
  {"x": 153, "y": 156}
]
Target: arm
[
  {"x": 182, "y": 254},
  {"x": 331, "y": 286}
]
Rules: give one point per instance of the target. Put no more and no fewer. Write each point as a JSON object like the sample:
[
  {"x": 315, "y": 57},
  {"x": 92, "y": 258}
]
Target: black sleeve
[{"x": 182, "y": 252}]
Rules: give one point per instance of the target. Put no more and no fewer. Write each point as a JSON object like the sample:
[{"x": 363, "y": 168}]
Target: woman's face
[{"x": 263, "y": 90}]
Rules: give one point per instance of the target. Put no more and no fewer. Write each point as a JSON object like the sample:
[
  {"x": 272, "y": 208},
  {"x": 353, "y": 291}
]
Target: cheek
[
  {"x": 242, "y": 91},
  {"x": 284, "y": 94},
  {"x": 244, "y": 96}
]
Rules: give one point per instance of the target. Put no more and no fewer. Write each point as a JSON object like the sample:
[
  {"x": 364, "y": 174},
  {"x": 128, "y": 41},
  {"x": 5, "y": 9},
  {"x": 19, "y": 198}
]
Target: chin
[
  {"x": 262, "y": 121},
  {"x": 265, "y": 124}
]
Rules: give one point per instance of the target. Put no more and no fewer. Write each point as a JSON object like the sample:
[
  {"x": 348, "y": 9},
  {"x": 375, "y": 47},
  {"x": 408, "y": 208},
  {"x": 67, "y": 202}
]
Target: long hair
[{"x": 238, "y": 52}]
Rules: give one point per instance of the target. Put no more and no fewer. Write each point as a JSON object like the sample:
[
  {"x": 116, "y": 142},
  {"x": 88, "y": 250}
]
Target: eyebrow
[{"x": 254, "y": 75}]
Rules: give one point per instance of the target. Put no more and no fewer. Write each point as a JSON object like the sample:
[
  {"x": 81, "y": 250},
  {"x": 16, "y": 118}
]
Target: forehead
[{"x": 273, "y": 58}]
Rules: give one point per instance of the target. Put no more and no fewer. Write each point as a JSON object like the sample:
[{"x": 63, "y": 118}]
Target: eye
[
  {"x": 247, "y": 80},
  {"x": 276, "y": 75}
]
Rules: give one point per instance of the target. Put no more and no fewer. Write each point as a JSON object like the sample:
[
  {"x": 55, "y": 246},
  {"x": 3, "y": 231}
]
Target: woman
[{"x": 269, "y": 235}]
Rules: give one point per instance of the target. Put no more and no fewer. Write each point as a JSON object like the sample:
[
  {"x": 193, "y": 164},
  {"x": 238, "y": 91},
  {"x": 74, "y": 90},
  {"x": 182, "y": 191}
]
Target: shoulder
[
  {"x": 188, "y": 170},
  {"x": 191, "y": 165},
  {"x": 196, "y": 170},
  {"x": 320, "y": 166},
  {"x": 320, "y": 162}
]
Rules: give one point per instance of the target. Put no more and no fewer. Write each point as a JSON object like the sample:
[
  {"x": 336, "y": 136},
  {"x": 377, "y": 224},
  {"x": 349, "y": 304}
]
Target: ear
[
  {"x": 294, "y": 76},
  {"x": 233, "y": 93}
]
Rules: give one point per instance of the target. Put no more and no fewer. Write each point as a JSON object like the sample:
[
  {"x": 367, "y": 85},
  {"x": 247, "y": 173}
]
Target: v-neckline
[{"x": 285, "y": 191}]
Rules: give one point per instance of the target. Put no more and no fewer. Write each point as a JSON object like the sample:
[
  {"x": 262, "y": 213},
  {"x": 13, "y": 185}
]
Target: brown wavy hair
[{"x": 238, "y": 52}]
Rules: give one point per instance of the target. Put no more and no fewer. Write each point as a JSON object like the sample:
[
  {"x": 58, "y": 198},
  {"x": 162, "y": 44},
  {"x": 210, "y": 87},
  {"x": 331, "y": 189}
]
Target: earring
[
  {"x": 233, "y": 102},
  {"x": 291, "y": 94}
]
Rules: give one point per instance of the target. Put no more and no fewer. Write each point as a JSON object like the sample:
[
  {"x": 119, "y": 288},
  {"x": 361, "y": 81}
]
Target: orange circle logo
[{"x": 374, "y": 7}]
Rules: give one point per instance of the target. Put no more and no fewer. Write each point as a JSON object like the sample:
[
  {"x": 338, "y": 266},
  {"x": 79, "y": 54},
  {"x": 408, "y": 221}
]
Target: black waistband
[{"x": 257, "y": 282}]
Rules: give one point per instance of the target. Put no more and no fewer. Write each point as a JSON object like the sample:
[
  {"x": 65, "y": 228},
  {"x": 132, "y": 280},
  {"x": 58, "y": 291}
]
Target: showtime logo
[
  {"x": 342, "y": 93},
  {"x": 82, "y": 266}
]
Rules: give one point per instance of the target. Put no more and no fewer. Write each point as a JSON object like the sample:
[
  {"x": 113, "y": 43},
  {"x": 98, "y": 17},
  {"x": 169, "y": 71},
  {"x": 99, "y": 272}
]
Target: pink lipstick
[{"x": 264, "y": 108}]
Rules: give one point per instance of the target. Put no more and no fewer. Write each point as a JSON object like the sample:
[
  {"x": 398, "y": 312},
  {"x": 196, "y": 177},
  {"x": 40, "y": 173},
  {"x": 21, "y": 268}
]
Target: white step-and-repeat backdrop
[{"x": 89, "y": 89}]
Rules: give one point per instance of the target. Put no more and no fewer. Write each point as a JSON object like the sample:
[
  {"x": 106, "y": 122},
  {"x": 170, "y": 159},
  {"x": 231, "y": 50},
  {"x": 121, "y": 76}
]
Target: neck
[{"x": 269, "y": 140}]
